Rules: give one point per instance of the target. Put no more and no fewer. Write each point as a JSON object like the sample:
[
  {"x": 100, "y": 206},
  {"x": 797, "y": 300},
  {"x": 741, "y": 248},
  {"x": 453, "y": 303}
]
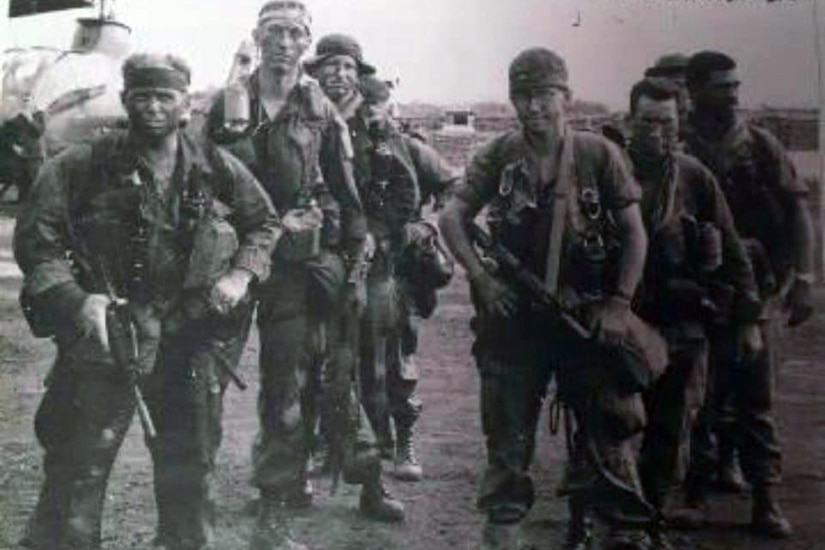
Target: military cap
[
  {"x": 702, "y": 64},
  {"x": 338, "y": 44},
  {"x": 672, "y": 64},
  {"x": 288, "y": 11},
  {"x": 147, "y": 70},
  {"x": 538, "y": 68},
  {"x": 374, "y": 90}
]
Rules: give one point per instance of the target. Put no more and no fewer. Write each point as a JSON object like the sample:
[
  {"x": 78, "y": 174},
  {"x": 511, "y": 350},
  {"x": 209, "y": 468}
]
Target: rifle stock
[{"x": 123, "y": 347}]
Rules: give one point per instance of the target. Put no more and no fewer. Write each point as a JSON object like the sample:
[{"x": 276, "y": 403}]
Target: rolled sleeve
[
  {"x": 617, "y": 182},
  {"x": 435, "y": 175},
  {"x": 480, "y": 182}
]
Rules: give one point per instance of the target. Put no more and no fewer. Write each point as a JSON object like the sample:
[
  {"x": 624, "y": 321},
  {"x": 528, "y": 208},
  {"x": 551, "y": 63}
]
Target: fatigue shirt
[
  {"x": 414, "y": 168},
  {"x": 85, "y": 205},
  {"x": 303, "y": 152},
  {"x": 688, "y": 188},
  {"x": 503, "y": 175},
  {"x": 760, "y": 184}
]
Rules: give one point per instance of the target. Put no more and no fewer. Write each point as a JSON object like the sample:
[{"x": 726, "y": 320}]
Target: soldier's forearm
[
  {"x": 634, "y": 250},
  {"x": 452, "y": 224},
  {"x": 804, "y": 238}
]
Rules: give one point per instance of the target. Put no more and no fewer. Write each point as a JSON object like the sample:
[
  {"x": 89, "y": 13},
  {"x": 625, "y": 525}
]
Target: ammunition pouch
[
  {"x": 300, "y": 246},
  {"x": 40, "y": 322},
  {"x": 214, "y": 245},
  {"x": 326, "y": 279}
]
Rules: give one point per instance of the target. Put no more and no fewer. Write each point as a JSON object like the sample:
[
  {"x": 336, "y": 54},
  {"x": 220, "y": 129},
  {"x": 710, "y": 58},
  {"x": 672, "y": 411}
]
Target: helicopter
[{"x": 61, "y": 97}]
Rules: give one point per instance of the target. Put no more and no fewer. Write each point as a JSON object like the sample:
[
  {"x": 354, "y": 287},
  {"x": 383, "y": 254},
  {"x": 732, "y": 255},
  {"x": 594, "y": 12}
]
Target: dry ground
[{"x": 440, "y": 509}]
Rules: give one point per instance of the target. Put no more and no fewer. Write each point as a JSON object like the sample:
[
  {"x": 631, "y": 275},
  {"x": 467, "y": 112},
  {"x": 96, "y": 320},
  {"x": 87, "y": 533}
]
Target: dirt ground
[{"x": 440, "y": 510}]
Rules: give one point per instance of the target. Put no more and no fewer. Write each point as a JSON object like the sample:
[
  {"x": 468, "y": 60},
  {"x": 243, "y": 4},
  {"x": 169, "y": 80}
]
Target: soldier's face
[
  {"x": 282, "y": 44},
  {"x": 655, "y": 126},
  {"x": 719, "y": 95},
  {"x": 540, "y": 110},
  {"x": 155, "y": 112},
  {"x": 338, "y": 76}
]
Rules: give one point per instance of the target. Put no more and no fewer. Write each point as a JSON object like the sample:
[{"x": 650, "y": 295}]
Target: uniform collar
[{"x": 189, "y": 155}]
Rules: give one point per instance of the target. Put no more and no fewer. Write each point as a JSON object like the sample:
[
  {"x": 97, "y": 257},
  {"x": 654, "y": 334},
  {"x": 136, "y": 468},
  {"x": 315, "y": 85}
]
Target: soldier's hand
[
  {"x": 799, "y": 302},
  {"x": 302, "y": 219},
  {"x": 496, "y": 297},
  {"x": 750, "y": 340},
  {"x": 229, "y": 290},
  {"x": 610, "y": 322},
  {"x": 92, "y": 318}
]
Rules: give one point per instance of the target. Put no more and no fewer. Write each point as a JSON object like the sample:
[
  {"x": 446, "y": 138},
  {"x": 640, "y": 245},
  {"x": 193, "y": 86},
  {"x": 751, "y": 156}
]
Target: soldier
[
  {"x": 299, "y": 148},
  {"x": 132, "y": 213},
  {"x": 550, "y": 190},
  {"x": 672, "y": 67},
  {"x": 770, "y": 211},
  {"x": 389, "y": 171},
  {"x": 697, "y": 273}
]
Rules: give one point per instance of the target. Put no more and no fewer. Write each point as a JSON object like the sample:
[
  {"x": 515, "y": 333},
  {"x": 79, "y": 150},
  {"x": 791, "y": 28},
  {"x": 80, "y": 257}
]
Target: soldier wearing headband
[
  {"x": 549, "y": 190},
  {"x": 127, "y": 214},
  {"x": 299, "y": 148}
]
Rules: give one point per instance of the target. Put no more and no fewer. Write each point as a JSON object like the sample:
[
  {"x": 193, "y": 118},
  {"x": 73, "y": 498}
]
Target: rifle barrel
[{"x": 143, "y": 413}]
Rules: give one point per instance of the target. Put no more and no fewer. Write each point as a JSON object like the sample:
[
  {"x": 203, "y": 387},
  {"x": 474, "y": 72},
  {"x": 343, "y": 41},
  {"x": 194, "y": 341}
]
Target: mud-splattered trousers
[{"x": 84, "y": 202}]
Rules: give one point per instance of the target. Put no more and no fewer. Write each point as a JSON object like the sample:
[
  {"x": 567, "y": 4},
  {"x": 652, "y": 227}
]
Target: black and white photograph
[{"x": 412, "y": 275}]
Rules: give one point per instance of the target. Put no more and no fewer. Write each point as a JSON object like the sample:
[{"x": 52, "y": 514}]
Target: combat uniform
[
  {"x": 517, "y": 356},
  {"x": 390, "y": 169},
  {"x": 692, "y": 283},
  {"x": 99, "y": 206},
  {"x": 760, "y": 184},
  {"x": 301, "y": 155}
]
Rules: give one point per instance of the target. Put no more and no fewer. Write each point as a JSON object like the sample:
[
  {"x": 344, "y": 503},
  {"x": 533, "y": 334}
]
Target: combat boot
[
  {"x": 407, "y": 467},
  {"x": 729, "y": 477},
  {"x": 500, "y": 536},
  {"x": 767, "y": 518},
  {"x": 377, "y": 503},
  {"x": 272, "y": 530}
]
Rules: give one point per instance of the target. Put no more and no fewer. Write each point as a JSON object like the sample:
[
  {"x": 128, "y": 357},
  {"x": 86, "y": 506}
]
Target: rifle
[
  {"x": 344, "y": 363},
  {"x": 641, "y": 357},
  {"x": 123, "y": 347},
  {"x": 526, "y": 278}
]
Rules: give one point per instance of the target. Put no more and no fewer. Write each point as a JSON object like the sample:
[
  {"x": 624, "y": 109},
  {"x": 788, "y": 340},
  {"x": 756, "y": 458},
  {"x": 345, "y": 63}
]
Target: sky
[{"x": 457, "y": 51}]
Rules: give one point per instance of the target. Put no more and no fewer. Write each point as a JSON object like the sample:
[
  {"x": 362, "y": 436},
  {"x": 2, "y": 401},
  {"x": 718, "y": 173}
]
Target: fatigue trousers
[
  {"x": 603, "y": 475},
  {"x": 672, "y": 406},
  {"x": 743, "y": 391},
  {"x": 389, "y": 376},
  {"x": 295, "y": 340},
  {"x": 87, "y": 411},
  {"x": 184, "y": 395},
  {"x": 81, "y": 423}
]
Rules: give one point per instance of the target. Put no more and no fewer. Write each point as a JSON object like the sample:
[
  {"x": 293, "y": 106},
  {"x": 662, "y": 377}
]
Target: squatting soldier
[
  {"x": 550, "y": 190},
  {"x": 389, "y": 171},
  {"x": 299, "y": 148},
  {"x": 146, "y": 214},
  {"x": 770, "y": 211},
  {"x": 697, "y": 275}
]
